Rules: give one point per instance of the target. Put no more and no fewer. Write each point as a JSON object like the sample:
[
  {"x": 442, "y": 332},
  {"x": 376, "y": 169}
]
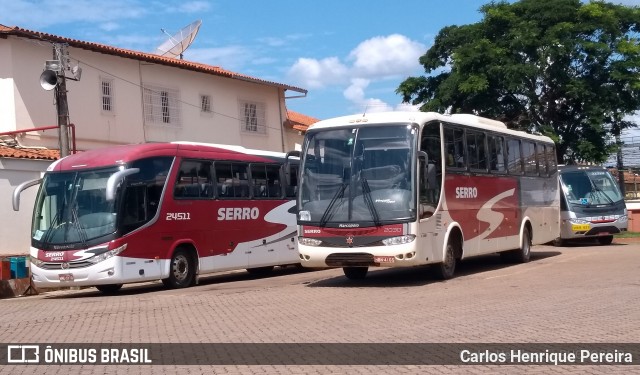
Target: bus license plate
[
  {"x": 383, "y": 259},
  {"x": 580, "y": 227},
  {"x": 65, "y": 276}
]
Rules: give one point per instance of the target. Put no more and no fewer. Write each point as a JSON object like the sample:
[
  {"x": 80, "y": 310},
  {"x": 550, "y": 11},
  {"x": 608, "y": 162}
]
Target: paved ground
[{"x": 578, "y": 294}]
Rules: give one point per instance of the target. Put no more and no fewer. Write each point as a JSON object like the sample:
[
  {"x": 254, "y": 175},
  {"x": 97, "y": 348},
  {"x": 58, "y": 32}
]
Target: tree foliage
[{"x": 563, "y": 68}]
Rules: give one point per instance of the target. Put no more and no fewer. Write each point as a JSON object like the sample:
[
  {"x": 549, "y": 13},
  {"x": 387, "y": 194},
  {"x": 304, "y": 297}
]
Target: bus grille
[
  {"x": 349, "y": 260},
  {"x": 609, "y": 229},
  {"x": 58, "y": 266}
]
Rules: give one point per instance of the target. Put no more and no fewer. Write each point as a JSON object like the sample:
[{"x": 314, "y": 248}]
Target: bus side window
[
  {"x": 541, "y": 153},
  {"x": 194, "y": 180},
  {"x": 514, "y": 157},
  {"x": 496, "y": 154},
  {"x": 529, "y": 158},
  {"x": 454, "y": 148}
]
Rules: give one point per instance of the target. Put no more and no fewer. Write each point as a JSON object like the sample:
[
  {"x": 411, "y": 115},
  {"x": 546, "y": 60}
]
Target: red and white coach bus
[
  {"x": 169, "y": 211},
  {"x": 402, "y": 189}
]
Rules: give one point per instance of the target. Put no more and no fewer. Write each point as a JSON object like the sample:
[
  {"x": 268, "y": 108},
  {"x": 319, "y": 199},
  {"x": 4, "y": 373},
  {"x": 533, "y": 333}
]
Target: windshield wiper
[
  {"x": 366, "y": 194},
  {"x": 595, "y": 188},
  {"x": 82, "y": 235},
  {"x": 329, "y": 211},
  {"x": 52, "y": 226}
]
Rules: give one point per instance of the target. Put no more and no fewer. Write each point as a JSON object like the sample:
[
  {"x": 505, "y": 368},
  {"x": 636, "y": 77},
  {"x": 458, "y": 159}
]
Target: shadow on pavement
[
  {"x": 421, "y": 275},
  {"x": 223, "y": 279}
]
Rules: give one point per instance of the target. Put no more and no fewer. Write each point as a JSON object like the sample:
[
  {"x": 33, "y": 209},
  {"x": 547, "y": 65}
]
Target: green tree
[{"x": 563, "y": 68}]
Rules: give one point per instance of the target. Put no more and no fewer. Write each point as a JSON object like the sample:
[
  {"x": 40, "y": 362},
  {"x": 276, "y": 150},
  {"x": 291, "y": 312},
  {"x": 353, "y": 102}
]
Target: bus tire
[
  {"x": 109, "y": 288},
  {"x": 446, "y": 269},
  {"x": 521, "y": 255},
  {"x": 605, "y": 240},
  {"x": 181, "y": 270},
  {"x": 355, "y": 273},
  {"x": 260, "y": 271}
]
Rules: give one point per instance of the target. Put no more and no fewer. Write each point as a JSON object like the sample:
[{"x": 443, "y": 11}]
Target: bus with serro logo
[
  {"x": 161, "y": 211},
  {"x": 591, "y": 205},
  {"x": 402, "y": 189}
]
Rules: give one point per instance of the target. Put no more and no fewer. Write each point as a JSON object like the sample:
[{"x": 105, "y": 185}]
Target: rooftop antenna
[{"x": 179, "y": 42}]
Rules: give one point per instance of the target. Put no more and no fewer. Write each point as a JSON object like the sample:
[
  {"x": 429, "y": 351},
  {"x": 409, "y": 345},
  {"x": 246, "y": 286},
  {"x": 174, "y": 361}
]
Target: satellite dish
[{"x": 179, "y": 42}]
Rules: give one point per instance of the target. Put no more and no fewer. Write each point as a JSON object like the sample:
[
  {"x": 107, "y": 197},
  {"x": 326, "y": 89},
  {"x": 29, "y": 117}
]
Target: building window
[
  {"x": 161, "y": 106},
  {"x": 205, "y": 104},
  {"x": 252, "y": 117},
  {"x": 106, "y": 93}
]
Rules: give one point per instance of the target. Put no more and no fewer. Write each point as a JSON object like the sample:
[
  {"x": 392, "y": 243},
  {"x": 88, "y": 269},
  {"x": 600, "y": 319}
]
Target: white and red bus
[
  {"x": 403, "y": 189},
  {"x": 168, "y": 211}
]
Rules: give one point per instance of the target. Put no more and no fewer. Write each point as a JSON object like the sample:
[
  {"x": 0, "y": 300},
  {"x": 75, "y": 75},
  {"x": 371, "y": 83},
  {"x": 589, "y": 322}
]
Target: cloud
[
  {"x": 38, "y": 14},
  {"x": 190, "y": 7},
  {"x": 318, "y": 73},
  {"x": 355, "y": 93},
  {"x": 279, "y": 42},
  {"x": 376, "y": 59},
  {"x": 230, "y": 57},
  {"x": 391, "y": 55}
]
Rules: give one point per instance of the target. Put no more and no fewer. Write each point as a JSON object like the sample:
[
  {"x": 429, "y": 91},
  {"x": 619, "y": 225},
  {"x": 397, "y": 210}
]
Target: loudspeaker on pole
[{"x": 48, "y": 80}]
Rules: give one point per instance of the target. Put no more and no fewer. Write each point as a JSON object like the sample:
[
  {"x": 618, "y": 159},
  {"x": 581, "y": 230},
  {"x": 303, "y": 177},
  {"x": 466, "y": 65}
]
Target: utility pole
[
  {"x": 62, "y": 108},
  {"x": 620, "y": 165}
]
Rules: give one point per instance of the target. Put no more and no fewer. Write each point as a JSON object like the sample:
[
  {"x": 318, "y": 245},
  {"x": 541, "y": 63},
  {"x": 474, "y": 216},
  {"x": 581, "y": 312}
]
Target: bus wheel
[
  {"x": 181, "y": 271},
  {"x": 355, "y": 273},
  {"x": 109, "y": 288},
  {"x": 605, "y": 240},
  {"x": 260, "y": 271},
  {"x": 446, "y": 269},
  {"x": 521, "y": 255}
]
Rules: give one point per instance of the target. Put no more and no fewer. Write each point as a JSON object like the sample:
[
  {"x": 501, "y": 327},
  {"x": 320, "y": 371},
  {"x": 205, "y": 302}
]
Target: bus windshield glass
[
  {"x": 72, "y": 208},
  {"x": 360, "y": 174},
  {"x": 590, "y": 187}
]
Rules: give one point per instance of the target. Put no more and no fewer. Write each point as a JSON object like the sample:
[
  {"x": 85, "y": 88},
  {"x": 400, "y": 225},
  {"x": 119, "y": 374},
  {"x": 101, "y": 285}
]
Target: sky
[{"x": 351, "y": 56}]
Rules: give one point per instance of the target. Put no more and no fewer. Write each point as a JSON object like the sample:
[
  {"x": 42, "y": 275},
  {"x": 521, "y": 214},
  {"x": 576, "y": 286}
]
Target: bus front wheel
[
  {"x": 446, "y": 269},
  {"x": 355, "y": 273},
  {"x": 605, "y": 240},
  {"x": 521, "y": 255},
  {"x": 181, "y": 271}
]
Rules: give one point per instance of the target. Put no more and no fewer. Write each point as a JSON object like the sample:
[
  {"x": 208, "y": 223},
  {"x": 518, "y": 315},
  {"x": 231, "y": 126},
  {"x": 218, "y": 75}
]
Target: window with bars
[
  {"x": 205, "y": 104},
  {"x": 161, "y": 106},
  {"x": 252, "y": 117},
  {"x": 106, "y": 94}
]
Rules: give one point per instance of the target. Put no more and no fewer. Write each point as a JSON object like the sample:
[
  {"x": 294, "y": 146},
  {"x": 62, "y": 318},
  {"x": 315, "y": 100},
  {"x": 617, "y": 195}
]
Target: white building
[{"x": 122, "y": 97}]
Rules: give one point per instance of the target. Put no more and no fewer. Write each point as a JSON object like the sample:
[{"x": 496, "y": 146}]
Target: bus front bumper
[{"x": 371, "y": 256}]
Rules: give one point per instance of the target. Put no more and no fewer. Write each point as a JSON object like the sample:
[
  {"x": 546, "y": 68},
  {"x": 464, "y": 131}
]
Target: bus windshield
[
  {"x": 71, "y": 207},
  {"x": 590, "y": 187},
  {"x": 360, "y": 174}
]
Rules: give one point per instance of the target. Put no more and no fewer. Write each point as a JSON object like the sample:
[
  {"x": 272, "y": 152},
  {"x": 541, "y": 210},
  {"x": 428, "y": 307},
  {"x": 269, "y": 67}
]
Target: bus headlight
[
  {"x": 309, "y": 241},
  {"x": 304, "y": 216},
  {"x": 107, "y": 254},
  {"x": 35, "y": 261},
  {"x": 623, "y": 219},
  {"x": 399, "y": 240}
]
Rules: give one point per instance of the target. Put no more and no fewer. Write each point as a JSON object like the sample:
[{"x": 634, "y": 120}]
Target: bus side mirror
[
  {"x": 116, "y": 179},
  {"x": 287, "y": 165},
  {"x": 19, "y": 189}
]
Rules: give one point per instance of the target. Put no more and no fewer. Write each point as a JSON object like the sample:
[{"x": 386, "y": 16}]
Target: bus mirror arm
[
  {"x": 287, "y": 168},
  {"x": 19, "y": 189},
  {"x": 115, "y": 179},
  {"x": 429, "y": 171}
]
